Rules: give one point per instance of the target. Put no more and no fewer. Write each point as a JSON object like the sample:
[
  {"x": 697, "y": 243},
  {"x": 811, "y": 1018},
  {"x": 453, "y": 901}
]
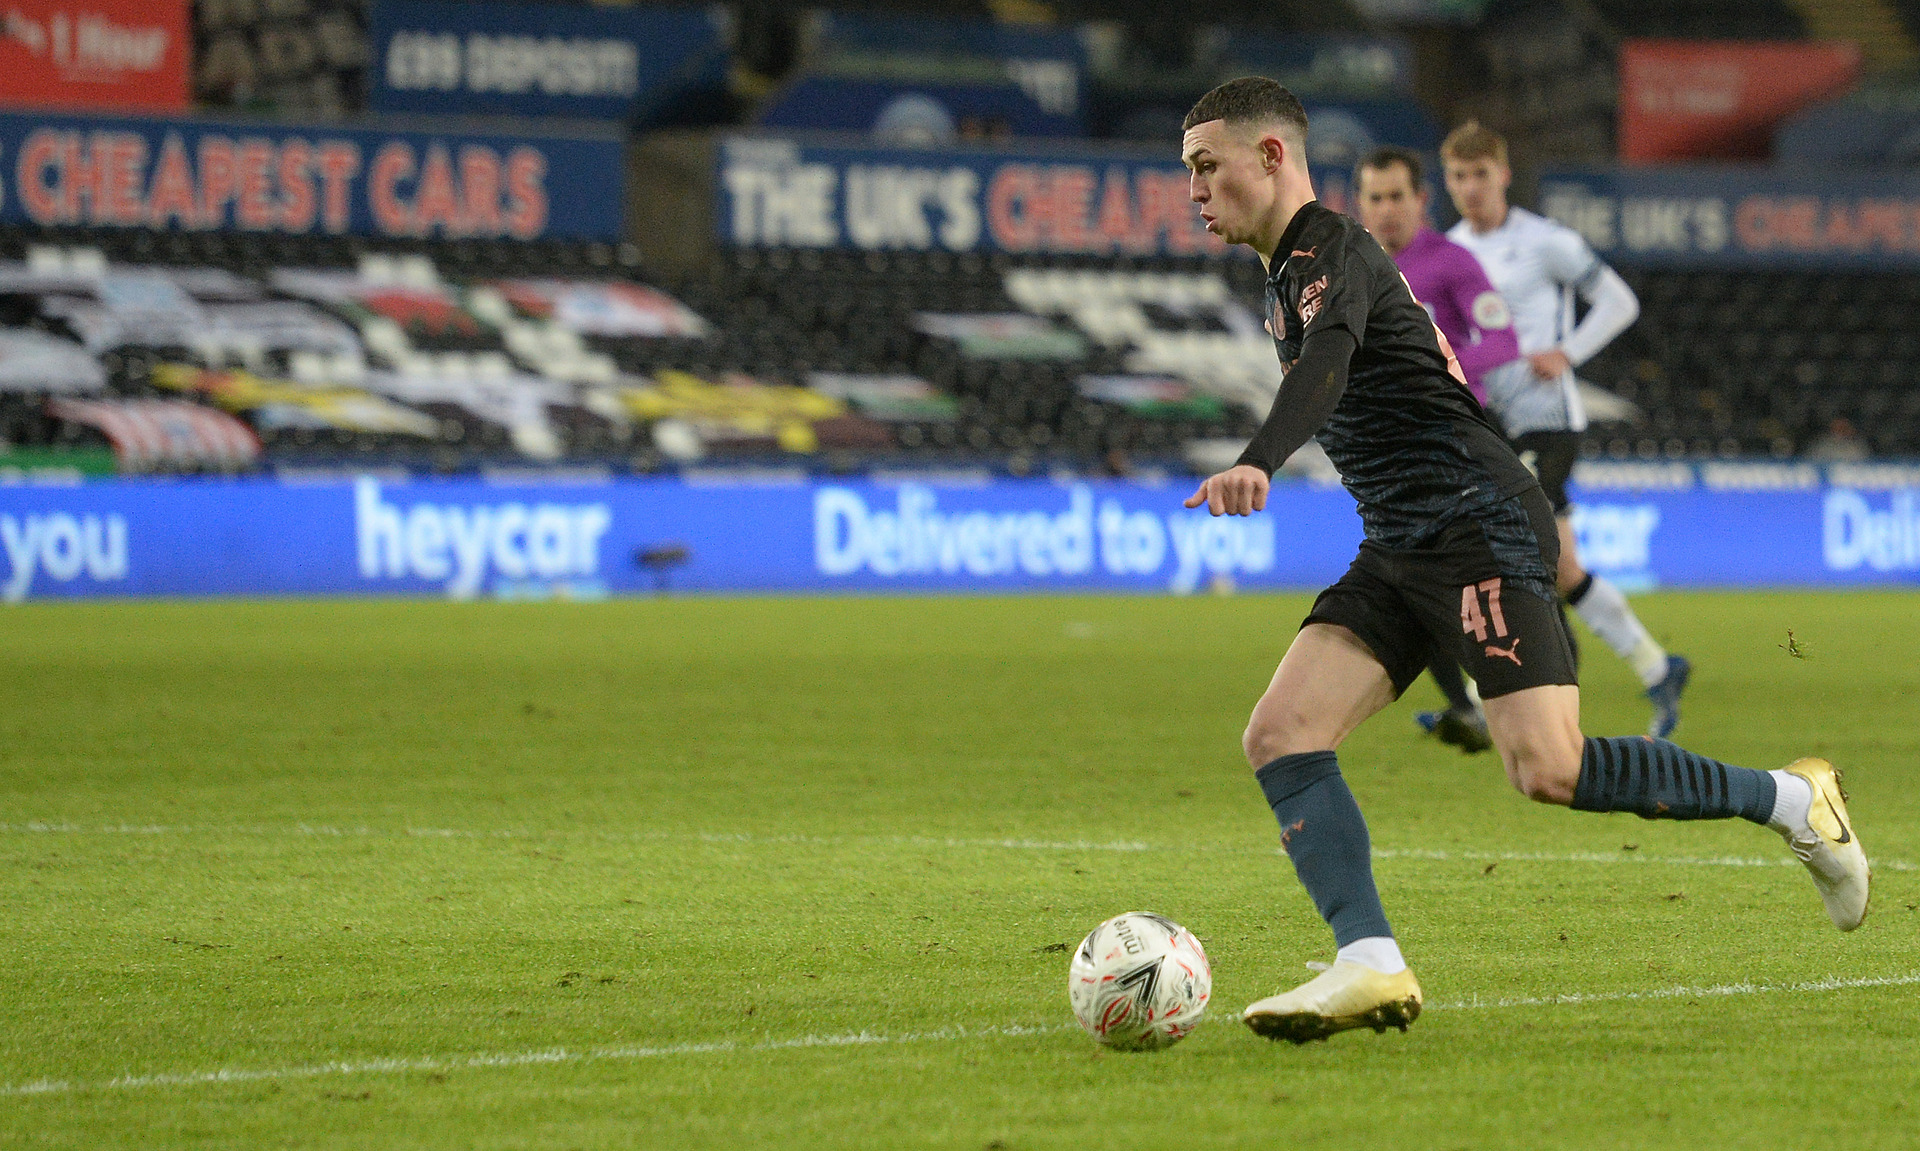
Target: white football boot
[
  {"x": 1829, "y": 847},
  {"x": 1344, "y": 996}
]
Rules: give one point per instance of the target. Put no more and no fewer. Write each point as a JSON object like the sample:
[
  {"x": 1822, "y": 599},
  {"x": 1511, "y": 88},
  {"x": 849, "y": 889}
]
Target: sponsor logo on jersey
[{"x": 1311, "y": 298}]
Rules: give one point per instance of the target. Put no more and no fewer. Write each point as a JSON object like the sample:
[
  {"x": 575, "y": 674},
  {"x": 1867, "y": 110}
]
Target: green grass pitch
[{"x": 740, "y": 872}]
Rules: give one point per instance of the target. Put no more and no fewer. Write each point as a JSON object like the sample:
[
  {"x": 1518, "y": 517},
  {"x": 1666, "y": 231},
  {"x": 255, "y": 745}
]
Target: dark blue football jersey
[{"x": 1412, "y": 445}]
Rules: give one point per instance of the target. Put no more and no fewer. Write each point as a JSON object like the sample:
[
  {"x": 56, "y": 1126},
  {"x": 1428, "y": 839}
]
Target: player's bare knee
[
  {"x": 1544, "y": 774},
  {"x": 1275, "y": 731},
  {"x": 1260, "y": 743}
]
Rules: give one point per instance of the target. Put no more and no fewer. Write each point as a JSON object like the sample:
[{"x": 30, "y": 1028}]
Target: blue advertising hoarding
[
  {"x": 214, "y": 175},
  {"x": 930, "y": 79},
  {"x": 532, "y": 59},
  {"x": 468, "y": 538},
  {"x": 920, "y": 112},
  {"x": 1741, "y": 217}
]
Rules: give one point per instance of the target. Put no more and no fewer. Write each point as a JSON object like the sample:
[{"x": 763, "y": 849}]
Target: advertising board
[
  {"x": 534, "y": 59},
  {"x": 1741, "y": 217},
  {"x": 776, "y": 191},
  {"x": 1720, "y": 100},
  {"x": 928, "y": 79},
  {"x": 828, "y": 192},
  {"x": 117, "y": 54},
  {"x": 471, "y": 538},
  {"x": 210, "y": 175}
]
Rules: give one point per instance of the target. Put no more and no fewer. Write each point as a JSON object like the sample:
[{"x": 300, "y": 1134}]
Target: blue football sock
[
  {"x": 1655, "y": 779},
  {"x": 1324, "y": 834}
]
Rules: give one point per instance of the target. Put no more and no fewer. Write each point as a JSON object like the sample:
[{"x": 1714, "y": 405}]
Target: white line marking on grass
[
  {"x": 750, "y": 839},
  {"x": 1579, "y": 998},
  {"x": 1418, "y": 853},
  {"x": 561, "y": 1055},
  {"x": 550, "y": 1056}
]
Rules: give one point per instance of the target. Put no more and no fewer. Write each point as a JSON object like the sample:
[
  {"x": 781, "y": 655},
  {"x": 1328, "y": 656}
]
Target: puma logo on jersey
[
  {"x": 1310, "y": 253},
  {"x": 1511, "y": 651}
]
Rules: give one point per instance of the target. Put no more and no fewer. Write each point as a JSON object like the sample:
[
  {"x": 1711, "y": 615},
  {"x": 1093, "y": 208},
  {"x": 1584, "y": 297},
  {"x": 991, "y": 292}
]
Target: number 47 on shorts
[{"x": 1473, "y": 620}]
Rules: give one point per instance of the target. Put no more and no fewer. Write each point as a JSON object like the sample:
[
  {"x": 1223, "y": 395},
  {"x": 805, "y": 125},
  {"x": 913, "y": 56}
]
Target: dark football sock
[
  {"x": 1322, "y": 831},
  {"x": 1453, "y": 685},
  {"x": 1655, "y": 779}
]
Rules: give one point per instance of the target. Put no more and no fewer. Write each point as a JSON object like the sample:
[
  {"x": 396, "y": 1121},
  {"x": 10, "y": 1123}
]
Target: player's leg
[
  {"x": 1461, "y": 724},
  {"x": 1601, "y": 605},
  {"x": 1547, "y": 758},
  {"x": 1513, "y": 641},
  {"x": 1327, "y": 685},
  {"x": 1357, "y": 652}
]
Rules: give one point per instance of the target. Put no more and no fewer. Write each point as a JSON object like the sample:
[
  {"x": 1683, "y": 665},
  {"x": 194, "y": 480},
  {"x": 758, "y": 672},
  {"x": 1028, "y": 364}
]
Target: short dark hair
[
  {"x": 1380, "y": 159},
  {"x": 1247, "y": 100}
]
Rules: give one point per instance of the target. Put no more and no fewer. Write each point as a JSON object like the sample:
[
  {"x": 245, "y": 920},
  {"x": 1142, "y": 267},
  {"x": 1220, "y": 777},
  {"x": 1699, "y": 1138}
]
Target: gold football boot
[{"x": 1344, "y": 996}]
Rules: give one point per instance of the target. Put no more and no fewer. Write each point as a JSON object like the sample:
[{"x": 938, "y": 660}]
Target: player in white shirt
[{"x": 1538, "y": 266}]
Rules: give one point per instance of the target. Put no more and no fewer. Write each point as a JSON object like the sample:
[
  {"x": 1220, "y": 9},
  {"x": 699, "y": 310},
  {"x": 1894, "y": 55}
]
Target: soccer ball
[{"x": 1139, "y": 982}]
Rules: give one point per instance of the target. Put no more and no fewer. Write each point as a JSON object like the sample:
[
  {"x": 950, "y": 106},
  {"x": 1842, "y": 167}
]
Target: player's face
[
  {"x": 1232, "y": 179},
  {"x": 1479, "y": 189},
  {"x": 1390, "y": 208}
]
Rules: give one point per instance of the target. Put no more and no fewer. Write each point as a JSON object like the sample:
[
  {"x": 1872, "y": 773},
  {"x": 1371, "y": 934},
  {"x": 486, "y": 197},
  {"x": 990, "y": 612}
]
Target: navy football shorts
[{"x": 1482, "y": 594}]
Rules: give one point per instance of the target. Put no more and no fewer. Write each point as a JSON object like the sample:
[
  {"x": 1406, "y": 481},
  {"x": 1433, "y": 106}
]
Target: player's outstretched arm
[{"x": 1307, "y": 398}]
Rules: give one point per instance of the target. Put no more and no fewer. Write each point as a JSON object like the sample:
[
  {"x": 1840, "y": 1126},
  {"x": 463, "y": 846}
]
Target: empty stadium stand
[{"x": 458, "y": 356}]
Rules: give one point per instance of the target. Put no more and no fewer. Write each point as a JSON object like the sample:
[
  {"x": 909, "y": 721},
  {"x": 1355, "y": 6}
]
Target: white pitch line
[
  {"x": 1011, "y": 844},
  {"x": 1721, "y": 989},
  {"x": 558, "y": 1055},
  {"x": 561, "y": 1055}
]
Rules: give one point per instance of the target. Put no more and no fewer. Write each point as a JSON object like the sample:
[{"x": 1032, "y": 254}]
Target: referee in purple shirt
[{"x": 1454, "y": 288}]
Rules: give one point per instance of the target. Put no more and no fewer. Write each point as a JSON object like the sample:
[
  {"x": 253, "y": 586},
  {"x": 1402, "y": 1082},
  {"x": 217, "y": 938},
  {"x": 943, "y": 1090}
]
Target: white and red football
[{"x": 1139, "y": 982}]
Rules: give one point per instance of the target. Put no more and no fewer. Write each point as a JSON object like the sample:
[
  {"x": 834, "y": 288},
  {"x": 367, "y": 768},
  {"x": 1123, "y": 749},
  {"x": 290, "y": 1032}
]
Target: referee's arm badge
[{"x": 1490, "y": 312}]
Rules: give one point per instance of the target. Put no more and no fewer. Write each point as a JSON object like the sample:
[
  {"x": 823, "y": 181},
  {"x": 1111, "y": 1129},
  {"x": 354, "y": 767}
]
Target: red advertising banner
[
  {"x": 1721, "y": 100},
  {"x": 125, "y": 55}
]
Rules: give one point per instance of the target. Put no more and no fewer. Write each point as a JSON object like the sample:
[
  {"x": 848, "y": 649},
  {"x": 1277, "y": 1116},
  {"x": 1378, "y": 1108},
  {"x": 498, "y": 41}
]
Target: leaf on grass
[{"x": 1050, "y": 947}]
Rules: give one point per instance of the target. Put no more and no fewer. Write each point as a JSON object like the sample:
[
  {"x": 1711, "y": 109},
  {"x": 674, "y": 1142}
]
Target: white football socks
[
  {"x": 1379, "y": 952},
  {"x": 1605, "y": 610},
  {"x": 1792, "y": 803}
]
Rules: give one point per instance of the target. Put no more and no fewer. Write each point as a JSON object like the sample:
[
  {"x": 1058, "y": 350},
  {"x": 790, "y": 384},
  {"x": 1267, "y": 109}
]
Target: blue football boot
[{"x": 1666, "y": 697}]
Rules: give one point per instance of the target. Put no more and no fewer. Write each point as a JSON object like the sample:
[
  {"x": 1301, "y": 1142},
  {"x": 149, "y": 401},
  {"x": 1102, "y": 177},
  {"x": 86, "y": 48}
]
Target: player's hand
[
  {"x": 1549, "y": 365},
  {"x": 1241, "y": 490}
]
